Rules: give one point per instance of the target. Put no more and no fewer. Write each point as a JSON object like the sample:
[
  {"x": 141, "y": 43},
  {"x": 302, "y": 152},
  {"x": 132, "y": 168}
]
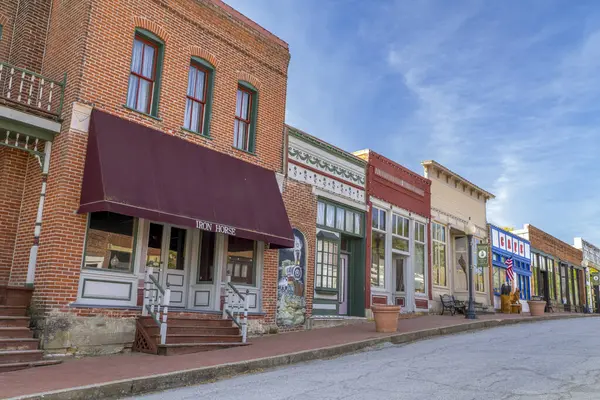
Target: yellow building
[{"x": 457, "y": 207}]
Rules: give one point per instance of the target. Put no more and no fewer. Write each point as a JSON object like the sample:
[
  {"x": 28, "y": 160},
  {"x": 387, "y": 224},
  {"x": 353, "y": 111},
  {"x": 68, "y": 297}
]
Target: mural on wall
[{"x": 291, "y": 303}]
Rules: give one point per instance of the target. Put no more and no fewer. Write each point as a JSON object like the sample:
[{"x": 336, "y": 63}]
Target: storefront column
[{"x": 33, "y": 253}]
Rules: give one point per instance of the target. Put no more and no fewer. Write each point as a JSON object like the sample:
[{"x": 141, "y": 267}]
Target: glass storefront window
[
  {"x": 177, "y": 249},
  {"x": 499, "y": 279},
  {"x": 439, "y": 254},
  {"x": 399, "y": 266},
  {"x": 241, "y": 256},
  {"x": 327, "y": 264},
  {"x": 419, "y": 265},
  {"x": 206, "y": 268},
  {"x": 109, "y": 242},
  {"x": 378, "y": 219},
  {"x": 419, "y": 257},
  {"x": 378, "y": 259}
]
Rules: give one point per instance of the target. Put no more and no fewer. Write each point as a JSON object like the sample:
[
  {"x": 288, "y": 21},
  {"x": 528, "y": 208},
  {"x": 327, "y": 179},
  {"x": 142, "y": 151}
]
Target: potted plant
[
  {"x": 536, "y": 306},
  {"x": 386, "y": 317}
]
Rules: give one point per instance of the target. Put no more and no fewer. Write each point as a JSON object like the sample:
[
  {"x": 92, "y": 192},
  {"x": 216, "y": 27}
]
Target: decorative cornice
[
  {"x": 297, "y": 133},
  {"x": 326, "y": 166},
  {"x": 458, "y": 178}
]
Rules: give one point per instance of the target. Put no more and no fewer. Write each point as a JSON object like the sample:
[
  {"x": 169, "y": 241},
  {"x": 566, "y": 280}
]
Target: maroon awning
[{"x": 135, "y": 170}]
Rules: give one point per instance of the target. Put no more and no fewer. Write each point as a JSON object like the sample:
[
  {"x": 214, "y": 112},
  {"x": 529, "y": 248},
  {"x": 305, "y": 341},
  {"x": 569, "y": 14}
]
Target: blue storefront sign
[{"x": 506, "y": 245}]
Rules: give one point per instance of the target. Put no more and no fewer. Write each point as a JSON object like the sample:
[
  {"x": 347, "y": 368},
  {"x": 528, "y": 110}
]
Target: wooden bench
[{"x": 451, "y": 304}]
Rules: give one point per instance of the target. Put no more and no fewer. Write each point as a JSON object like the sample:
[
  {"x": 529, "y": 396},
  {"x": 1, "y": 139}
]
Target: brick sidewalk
[{"x": 96, "y": 370}]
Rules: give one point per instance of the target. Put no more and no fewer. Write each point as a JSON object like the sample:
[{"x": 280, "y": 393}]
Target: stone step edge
[{"x": 196, "y": 376}]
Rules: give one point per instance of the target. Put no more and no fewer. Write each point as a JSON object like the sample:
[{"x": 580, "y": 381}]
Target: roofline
[
  {"x": 395, "y": 164},
  {"x": 457, "y": 176},
  {"x": 300, "y": 134},
  {"x": 248, "y": 22},
  {"x": 528, "y": 226}
]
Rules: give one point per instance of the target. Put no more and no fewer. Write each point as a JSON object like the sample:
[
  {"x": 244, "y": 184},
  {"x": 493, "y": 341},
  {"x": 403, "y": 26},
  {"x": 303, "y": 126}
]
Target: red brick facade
[
  {"x": 553, "y": 246},
  {"x": 397, "y": 185},
  {"x": 91, "y": 42}
]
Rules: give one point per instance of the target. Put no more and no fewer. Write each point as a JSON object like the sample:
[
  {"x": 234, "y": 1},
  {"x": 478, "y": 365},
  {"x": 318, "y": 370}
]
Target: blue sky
[{"x": 505, "y": 93}]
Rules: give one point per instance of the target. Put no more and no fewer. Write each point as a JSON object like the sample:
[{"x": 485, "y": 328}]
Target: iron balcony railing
[{"x": 28, "y": 90}]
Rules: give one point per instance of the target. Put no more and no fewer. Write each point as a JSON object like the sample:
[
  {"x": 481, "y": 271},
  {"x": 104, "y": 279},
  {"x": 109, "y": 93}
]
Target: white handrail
[
  {"x": 156, "y": 302},
  {"x": 236, "y": 307}
]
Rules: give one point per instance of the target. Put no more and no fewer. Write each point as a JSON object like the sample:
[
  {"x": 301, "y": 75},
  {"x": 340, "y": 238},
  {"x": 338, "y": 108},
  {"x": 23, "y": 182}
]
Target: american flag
[{"x": 509, "y": 269}]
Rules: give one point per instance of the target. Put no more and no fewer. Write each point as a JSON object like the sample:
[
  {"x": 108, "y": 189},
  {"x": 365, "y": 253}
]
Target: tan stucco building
[{"x": 455, "y": 203}]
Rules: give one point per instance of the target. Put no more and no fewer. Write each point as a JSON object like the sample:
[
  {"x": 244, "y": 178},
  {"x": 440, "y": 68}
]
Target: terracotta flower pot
[
  {"x": 386, "y": 317},
  {"x": 536, "y": 307}
]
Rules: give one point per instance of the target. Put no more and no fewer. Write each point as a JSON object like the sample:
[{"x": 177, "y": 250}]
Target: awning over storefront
[{"x": 135, "y": 170}]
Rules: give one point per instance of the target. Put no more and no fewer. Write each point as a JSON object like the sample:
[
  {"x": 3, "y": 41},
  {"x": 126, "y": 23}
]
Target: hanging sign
[{"x": 482, "y": 255}]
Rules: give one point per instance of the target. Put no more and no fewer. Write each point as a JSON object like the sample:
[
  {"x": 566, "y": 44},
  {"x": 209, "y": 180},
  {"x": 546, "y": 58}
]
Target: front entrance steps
[
  {"x": 329, "y": 321},
  {"x": 186, "y": 335},
  {"x": 18, "y": 348}
]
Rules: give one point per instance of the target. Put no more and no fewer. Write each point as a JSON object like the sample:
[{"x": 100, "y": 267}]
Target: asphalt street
[{"x": 547, "y": 360}]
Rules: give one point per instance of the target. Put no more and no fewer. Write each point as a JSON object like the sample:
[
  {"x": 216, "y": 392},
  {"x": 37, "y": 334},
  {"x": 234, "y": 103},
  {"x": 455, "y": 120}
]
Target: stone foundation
[{"x": 67, "y": 334}]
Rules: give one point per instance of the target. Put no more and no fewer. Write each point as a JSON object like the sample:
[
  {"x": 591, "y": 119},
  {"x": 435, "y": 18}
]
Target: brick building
[
  {"x": 398, "y": 241},
  {"x": 167, "y": 137},
  {"x": 558, "y": 275}
]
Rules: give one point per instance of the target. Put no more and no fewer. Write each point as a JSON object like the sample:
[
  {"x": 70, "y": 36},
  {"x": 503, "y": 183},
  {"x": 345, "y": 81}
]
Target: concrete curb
[{"x": 177, "y": 379}]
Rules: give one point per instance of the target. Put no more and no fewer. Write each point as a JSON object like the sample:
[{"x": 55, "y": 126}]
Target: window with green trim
[
  {"x": 199, "y": 97},
  {"x": 339, "y": 218},
  {"x": 145, "y": 73},
  {"x": 246, "y": 107},
  {"x": 327, "y": 264}
]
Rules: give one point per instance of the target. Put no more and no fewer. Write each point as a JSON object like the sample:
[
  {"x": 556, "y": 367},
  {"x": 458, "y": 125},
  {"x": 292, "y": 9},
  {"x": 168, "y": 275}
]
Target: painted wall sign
[
  {"x": 212, "y": 227},
  {"x": 399, "y": 182},
  {"x": 291, "y": 302},
  {"x": 512, "y": 244}
]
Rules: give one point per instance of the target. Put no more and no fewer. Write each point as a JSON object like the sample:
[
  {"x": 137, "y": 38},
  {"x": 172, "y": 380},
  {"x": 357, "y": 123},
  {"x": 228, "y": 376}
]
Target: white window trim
[
  {"x": 445, "y": 243},
  {"x": 425, "y": 263}
]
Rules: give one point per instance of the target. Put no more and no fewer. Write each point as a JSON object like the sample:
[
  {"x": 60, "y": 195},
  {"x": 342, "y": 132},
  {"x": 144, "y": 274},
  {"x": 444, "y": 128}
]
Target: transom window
[
  {"x": 245, "y": 115},
  {"x": 400, "y": 233},
  {"x": 142, "y": 76},
  {"x": 378, "y": 219},
  {"x": 196, "y": 98},
  {"x": 339, "y": 218},
  {"x": 327, "y": 264}
]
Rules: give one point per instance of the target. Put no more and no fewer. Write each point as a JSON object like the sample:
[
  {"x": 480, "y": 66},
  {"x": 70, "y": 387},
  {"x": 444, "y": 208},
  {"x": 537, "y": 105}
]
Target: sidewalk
[{"x": 320, "y": 343}]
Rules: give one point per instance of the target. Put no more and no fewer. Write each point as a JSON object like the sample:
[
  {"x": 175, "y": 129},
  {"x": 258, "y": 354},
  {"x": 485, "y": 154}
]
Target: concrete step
[
  {"x": 15, "y": 311},
  {"x": 187, "y": 348},
  {"x": 182, "y": 321},
  {"x": 19, "y": 344},
  {"x": 28, "y": 364},
  {"x": 191, "y": 338},
  {"x": 16, "y": 332},
  {"x": 14, "y": 321},
  {"x": 19, "y": 356},
  {"x": 179, "y": 329}
]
